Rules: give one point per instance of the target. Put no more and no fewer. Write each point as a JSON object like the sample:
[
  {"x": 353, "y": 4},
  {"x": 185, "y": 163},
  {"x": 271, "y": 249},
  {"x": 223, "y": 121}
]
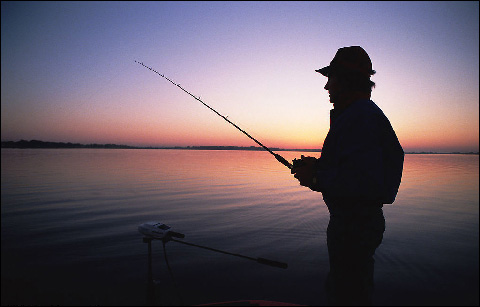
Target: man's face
[{"x": 334, "y": 90}]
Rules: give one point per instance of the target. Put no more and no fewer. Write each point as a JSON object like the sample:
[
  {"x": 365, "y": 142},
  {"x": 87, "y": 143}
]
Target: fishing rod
[{"x": 277, "y": 156}]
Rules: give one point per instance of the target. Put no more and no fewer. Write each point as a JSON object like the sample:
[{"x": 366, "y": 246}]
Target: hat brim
[{"x": 324, "y": 71}]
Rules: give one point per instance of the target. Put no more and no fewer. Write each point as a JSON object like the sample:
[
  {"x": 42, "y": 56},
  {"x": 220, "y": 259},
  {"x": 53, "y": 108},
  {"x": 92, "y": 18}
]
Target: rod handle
[
  {"x": 283, "y": 160},
  {"x": 272, "y": 263}
]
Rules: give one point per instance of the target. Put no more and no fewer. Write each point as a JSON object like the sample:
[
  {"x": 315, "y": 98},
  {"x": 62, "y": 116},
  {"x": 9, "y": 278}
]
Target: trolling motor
[{"x": 160, "y": 231}]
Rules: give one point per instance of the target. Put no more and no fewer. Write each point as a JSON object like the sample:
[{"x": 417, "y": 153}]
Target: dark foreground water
[{"x": 69, "y": 234}]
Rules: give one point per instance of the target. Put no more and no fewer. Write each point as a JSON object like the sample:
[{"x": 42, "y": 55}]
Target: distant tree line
[{"x": 42, "y": 144}]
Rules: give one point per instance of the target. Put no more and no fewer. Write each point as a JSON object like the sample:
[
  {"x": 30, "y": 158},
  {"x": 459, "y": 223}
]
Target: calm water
[{"x": 69, "y": 222}]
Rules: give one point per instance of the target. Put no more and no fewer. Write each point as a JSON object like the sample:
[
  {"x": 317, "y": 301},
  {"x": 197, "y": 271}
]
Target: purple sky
[{"x": 68, "y": 71}]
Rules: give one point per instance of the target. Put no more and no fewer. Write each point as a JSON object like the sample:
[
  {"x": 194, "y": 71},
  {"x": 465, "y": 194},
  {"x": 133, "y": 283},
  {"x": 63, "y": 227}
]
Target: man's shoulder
[
  {"x": 367, "y": 105},
  {"x": 365, "y": 110}
]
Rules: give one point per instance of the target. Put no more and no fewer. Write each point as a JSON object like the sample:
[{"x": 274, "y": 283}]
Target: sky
[{"x": 68, "y": 71}]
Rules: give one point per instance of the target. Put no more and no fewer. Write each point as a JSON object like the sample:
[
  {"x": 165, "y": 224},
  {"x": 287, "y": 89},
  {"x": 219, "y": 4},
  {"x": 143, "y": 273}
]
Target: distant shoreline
[{"x": 59, "y": 145}]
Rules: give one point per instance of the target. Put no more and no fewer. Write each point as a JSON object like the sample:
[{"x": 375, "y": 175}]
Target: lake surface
[{"x": 69, "y": 233}]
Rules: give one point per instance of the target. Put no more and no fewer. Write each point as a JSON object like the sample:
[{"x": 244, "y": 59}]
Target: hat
[{"x": 353, "y": 59}]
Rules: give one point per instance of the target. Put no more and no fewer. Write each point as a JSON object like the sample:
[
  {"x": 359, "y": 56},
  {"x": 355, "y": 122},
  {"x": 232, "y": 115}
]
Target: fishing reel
[
  {"x": 298, "y": 162},
  {"x": 303, "y": 161}
]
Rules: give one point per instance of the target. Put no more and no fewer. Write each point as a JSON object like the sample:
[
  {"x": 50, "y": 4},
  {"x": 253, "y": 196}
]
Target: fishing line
[{"x": 277, "y": 156}]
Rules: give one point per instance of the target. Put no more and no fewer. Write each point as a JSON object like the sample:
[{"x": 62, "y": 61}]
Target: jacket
[{"x": 362, "y": 160}]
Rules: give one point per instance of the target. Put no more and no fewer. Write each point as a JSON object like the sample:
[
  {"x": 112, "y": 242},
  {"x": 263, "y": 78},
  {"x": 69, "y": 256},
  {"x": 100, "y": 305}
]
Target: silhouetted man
[{"x": 359, "y": 170}]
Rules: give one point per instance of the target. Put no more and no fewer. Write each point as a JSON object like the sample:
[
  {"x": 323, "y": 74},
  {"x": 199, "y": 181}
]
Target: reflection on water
[{"x": 70, "y": 217}]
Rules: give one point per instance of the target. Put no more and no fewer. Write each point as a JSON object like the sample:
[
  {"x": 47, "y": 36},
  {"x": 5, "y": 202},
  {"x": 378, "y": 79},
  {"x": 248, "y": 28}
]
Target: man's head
[{"x": 348, "y": 74}]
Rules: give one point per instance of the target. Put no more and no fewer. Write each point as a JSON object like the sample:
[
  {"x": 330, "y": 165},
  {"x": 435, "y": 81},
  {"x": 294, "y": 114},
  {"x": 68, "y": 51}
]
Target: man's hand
[{"x": 305, "y": 171}]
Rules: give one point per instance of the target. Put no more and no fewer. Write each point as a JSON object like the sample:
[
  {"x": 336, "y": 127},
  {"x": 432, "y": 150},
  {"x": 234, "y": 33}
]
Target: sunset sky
[{"x": 69, "y": 72}]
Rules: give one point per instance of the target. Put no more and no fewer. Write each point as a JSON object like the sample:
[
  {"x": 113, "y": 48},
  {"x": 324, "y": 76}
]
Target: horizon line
[{"x": 47, "y": 144}]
